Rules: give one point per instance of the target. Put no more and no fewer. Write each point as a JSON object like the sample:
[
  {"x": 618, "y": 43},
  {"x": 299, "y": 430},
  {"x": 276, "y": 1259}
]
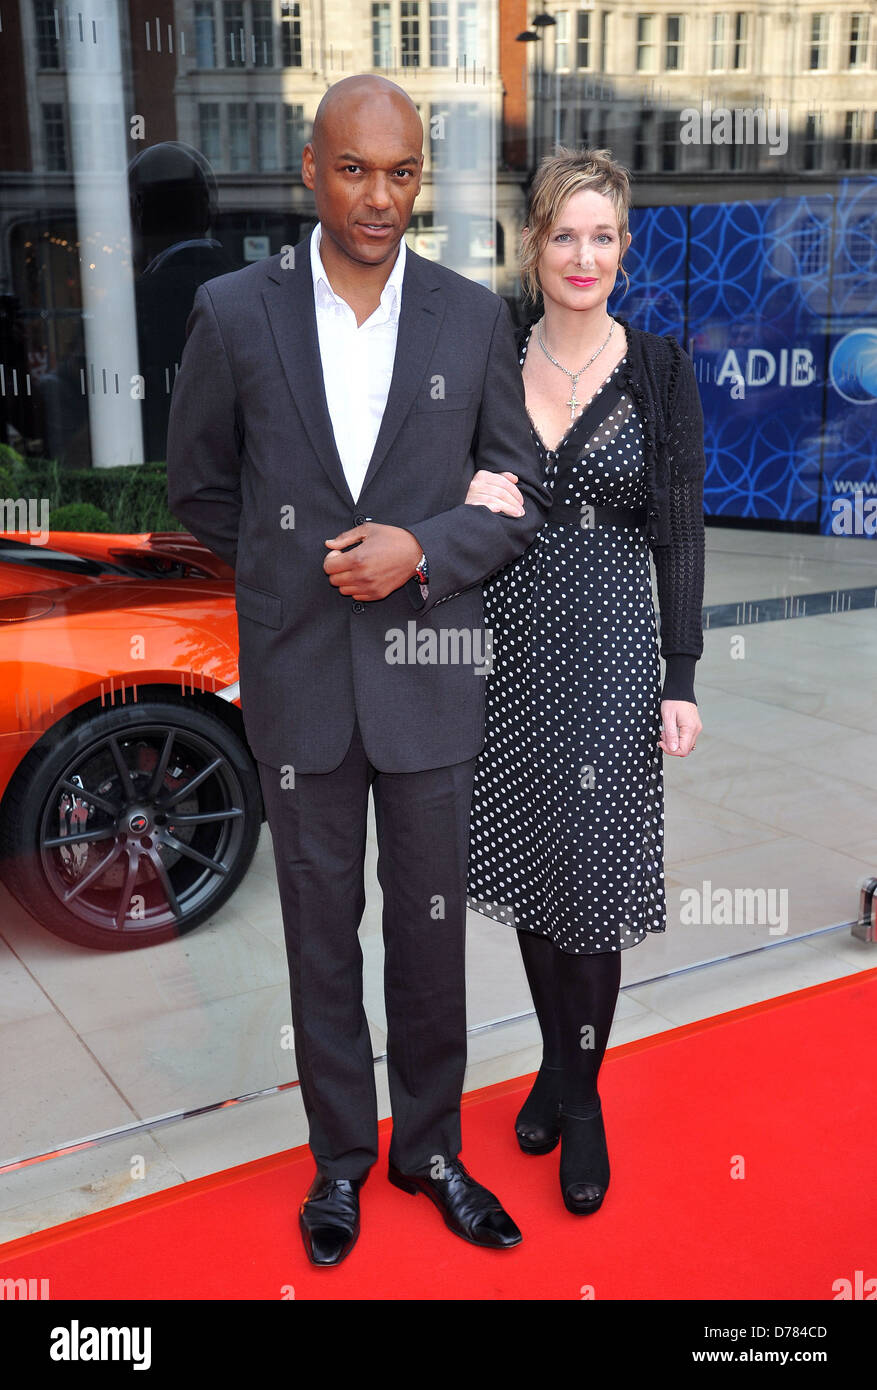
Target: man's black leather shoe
[
  {"x": 468, "y": 1208},
  {"x": 329, "y": 1218}
]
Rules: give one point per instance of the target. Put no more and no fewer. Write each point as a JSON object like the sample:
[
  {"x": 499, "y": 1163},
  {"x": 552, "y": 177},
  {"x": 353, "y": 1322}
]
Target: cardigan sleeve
[{"x": 679, "y": 566}]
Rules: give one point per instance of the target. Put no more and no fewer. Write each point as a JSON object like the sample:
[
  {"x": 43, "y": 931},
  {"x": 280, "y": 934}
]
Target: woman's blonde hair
[{"x": 558, "y": 177}]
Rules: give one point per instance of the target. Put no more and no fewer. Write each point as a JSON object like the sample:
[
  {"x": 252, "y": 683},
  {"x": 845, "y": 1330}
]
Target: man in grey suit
[{"x": 332, "y": 406}]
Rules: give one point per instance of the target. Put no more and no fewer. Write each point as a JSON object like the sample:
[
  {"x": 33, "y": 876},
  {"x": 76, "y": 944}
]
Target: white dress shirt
[{"x": 357, "y": 363}]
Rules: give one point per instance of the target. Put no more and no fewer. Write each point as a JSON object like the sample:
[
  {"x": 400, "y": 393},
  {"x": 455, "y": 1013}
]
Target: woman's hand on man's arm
[{"x": 496, "y": 491}]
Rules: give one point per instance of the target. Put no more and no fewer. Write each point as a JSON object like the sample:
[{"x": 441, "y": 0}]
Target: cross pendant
[{"x": 572, "y": 403}]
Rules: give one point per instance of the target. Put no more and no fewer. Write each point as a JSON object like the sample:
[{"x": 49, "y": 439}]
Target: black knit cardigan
[{"x": 660, "y": 378}]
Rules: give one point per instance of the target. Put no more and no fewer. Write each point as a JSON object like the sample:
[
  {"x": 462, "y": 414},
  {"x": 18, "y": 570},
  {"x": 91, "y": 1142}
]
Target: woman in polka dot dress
[{"x": 567, "y": 819}]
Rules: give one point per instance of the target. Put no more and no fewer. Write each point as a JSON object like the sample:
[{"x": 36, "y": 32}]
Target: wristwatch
[{"x": 421, "y": 574}]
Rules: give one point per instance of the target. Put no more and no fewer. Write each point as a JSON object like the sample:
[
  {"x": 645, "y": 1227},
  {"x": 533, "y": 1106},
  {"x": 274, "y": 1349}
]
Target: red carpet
[{"x": 786, "y": 1086}]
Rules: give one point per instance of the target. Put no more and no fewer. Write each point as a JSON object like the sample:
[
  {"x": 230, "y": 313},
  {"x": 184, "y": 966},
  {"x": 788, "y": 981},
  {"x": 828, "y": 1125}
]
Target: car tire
[{"x": 173, "y": 815}]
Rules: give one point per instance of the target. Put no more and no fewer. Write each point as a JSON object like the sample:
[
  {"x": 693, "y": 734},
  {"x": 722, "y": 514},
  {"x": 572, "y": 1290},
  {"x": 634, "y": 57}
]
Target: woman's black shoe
[
  {"x": 538, "y": 1123},
  {"x": 584, "y": 1163}
]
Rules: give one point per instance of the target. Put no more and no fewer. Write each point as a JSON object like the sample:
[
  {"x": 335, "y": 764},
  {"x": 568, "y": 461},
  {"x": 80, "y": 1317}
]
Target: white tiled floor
[{"x": 779, "y": 795}]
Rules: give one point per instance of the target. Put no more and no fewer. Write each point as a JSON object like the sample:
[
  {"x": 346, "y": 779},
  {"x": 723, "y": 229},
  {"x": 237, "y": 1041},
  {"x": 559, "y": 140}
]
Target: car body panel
[{"x": 68, "y": 639}]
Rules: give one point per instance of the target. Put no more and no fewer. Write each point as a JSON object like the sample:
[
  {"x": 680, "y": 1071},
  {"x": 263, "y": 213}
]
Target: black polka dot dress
[{"x": 567, "y": 815}]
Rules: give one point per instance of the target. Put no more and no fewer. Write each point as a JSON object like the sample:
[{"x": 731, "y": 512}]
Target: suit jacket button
[
  {"x": 359, "y": 608},
  {"x": 359, "y": 519}
]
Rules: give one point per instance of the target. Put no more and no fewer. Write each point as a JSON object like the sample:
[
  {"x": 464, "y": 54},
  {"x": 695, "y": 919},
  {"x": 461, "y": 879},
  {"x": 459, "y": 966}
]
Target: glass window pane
[
  {"x": 238, "y": 135},
  {"x": 409, "y": 11},
  {"x": 645, "y": 43},
  {"x": 561, "y": 39},
  {"x": 233, "y": 29},
  {"x": 717, "y": 42},
  {"x": 382, "y": 35},
  {"x": 266, "y": 137},
  {"x": 741, "y": 41},
  {"x": 439, "y": 34},
  {"x": 205, "y": 34},
  {"x": 673, "y": 57},
  {"x": 583, "y": 39},
  {"x": 54, "y": 136},
  {"x": 294, "y": 135},
  {"x": 818, "y": 41},
  {"x": 860, "y": 29},
  {"x": 263, "y": 34},
  {"x": 467, "y": 32},
  {"x": 209, "y": 137},
  {"x": 46, "y": 23},
  {"x": 290, "y": 33}
]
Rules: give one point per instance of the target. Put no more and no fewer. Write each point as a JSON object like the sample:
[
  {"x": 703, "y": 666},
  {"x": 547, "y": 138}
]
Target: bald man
[{"x": 331, "y": 408}]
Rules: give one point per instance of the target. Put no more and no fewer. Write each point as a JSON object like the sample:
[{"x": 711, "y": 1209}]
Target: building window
[
  {"x": 470, "y": 151},
  {"x": 818, "y": 42},
  {"x": 561, "y": 40},
  {"x": 209, "y": 139},
  {"x": 741, "y": 41},
  {"x": 673, "y": 43},
  {"x": 47, "y": 32},
  {"x": 645, "y": 43},
  {"x": 439, "y": 34},
  {"x": 266, "y": 137},
  {"x": 739, "y": 153},
  {"x": 859, "y": 148},
  {"x": 205, "y": 34},
  {"x": 813, "y": 154},
  {"x": 233, "y": 29},
  {"x": 717, "y": 156},
  {"x": 238, "y": 136},
  {"x": 54, "y": 136},
  {"x": 852, "y": 134},
  {"x": 670, "y": 147},
  {"x": 437, "y": 143},
  {"x": 294, "y": 135},
  {"x": 263, "y": 34},
  {"x": 382, "y": 34},
  {"x": 860, "y": 27},
  {"x": 718, "y": 36},
  {"x": 583, "y": 39},
  {"x": 409, "y": 11},
  {"x": 290, "y": 34},
  {"x": 644, "y": 140},
  {"x": 467, "y": 31}
]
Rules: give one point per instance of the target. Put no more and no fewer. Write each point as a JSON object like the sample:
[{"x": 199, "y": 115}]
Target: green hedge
[{"x": 132, "y": 498}]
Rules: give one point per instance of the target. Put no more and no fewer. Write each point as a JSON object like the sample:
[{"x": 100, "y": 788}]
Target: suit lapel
[
  {"x": 420, "y": 319},
  {"x": 289, "y": 303}
]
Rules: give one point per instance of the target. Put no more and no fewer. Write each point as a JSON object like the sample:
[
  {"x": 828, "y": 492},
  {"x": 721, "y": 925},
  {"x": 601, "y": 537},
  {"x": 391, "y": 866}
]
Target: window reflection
[{"x": 711, "y": 105}]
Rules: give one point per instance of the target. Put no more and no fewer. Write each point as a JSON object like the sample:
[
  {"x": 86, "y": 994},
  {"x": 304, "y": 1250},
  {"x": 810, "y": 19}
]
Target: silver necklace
[{"x": 573, "y": 376}]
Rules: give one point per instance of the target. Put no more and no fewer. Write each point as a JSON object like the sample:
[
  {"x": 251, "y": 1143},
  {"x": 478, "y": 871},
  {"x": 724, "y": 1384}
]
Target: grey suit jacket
[{"x": 254, "y": 473}]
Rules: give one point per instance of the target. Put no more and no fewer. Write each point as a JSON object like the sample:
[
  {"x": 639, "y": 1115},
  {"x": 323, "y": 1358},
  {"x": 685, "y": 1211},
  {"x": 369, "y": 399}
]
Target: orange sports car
[{"x": 130, "y": 804}]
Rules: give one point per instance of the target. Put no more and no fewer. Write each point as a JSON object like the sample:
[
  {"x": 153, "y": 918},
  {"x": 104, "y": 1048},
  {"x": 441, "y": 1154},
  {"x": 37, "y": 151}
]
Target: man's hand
[
  {"x": 680, "y": 726},
  {"x": 384, "y": 558}
]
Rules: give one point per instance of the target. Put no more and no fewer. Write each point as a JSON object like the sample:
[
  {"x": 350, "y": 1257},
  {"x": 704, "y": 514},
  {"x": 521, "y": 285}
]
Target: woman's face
[{"x": 579, "y": 264}]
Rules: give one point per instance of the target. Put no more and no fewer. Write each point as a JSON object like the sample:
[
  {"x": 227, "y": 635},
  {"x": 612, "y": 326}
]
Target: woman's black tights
[{"x": 575, "y": 997}]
